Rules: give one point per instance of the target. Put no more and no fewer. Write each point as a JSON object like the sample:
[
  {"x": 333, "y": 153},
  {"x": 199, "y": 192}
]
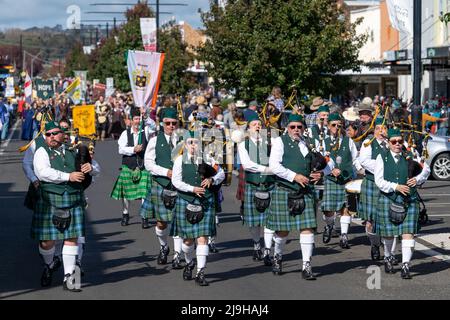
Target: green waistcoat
[
  {"x": 39, "y": 142},
  {"x": 346, "y": 165},
  {"x": 191, "y": 176},
  {"x": 397, "y": 173},
  {"x": 262, "y": 159},
  {"x": 163, "y": 158},
  {"x": 376, "y": 150},
  {"x": 64, "y": 163},
  {"x": 294, "y": 160}
]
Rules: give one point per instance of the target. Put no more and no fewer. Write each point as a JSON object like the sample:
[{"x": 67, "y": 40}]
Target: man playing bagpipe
[
  {"x": 320, "y": 128},
  {"x": 254, "y": 155},
  {"x": 398, "y": 204},
  {"x": 194, "y": 214},
  {"x": 133, "y": 181},
  {"x": 293, "y": 201},
  {"x": 343, "y": 151}
]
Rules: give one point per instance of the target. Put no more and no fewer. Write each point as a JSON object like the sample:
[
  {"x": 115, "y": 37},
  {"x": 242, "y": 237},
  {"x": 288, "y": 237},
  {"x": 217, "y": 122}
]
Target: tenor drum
[{"x": 353, "y": 190}]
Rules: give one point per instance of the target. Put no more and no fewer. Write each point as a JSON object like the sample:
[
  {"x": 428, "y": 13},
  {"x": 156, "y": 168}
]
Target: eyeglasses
[
  {"x": 335, "y": 125},
  {"x": 295, "y": 127},
  {"x": 48, "y": 134},
  {"x": 398, "y": 141},
  {"x": 173, "y": 123}
]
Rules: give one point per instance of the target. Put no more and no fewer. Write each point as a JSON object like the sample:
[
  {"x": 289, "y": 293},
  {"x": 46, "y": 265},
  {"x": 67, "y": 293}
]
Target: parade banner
[
  {"x": 10, "y": 92},
  {"x": 28, "y": 88},
  {"x": 401, "y": 15},
  {"x": 84, "y": 119},
  {"x": 83, "y": 78},
  {"x": 44, "y": 88},
  {"x": 99, "y": 90},
  {"x": 149, "y": 35},
  {"x": 74, "y": 91},
  {"x": 109, "y": 87},
  {"x": 145, "y": 69}
]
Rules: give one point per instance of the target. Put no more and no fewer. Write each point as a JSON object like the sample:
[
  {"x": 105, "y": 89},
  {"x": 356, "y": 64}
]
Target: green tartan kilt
[
  {"x": 387, "y": 229},
  {"x": 147, "y": 210},
  {"x": 182, "y": 228},
  {"x": 368, "y": 201},
  {"x": 279, "y": 218},
  {"x": 42, "y": 227},
  {"x": 161, "y": 213},
  {"x": 125, "y": 188},
  {"x": 252, "y": 217},
  {"x": 334, "y": 196}
]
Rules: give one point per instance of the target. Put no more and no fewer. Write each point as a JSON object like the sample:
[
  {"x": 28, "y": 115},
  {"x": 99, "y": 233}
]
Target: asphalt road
[{"x": 120, "y": 262}]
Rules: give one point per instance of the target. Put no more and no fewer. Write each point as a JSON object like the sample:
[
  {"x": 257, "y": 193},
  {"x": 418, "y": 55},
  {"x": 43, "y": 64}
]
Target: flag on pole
[
  {"x": 401, "y": 14},
  {"x": 149, "y": 36},
  {"x": 74, "y": 91},
  {"x": 28, "y": 88},
  {"x": 145, "y": 69}
]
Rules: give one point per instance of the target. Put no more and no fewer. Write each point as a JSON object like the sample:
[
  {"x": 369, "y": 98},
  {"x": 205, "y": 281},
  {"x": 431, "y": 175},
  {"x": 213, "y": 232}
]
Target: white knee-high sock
[
  {"x": 47, "y": 255},
  {"x": 307, "y": 246},
  {"x": 188, "y": 252},
  {"x": 69, "y": 257},
  {"x": 126, "y": 206},
  {"x": 268, "y": 238},
  {"x": 256, "y": 233},
  {"x": 202, "y": 254},
  {"x": 388, "y": 243},
  {"x": 279, "y": 244},
  {"x": 345, "y": 224},
  {"x": 329, "y": 220},
  {"x": 162, "y": 236},
  {"x": 407, "y": 250},
  {"x": 81, "y": 242},
  {"x": 177, "y": 244}
]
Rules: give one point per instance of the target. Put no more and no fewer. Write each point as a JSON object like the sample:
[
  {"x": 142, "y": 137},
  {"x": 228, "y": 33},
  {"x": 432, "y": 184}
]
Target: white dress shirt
[
  {"x": 177, "y": 175},
  {"x": 365, "y": 156},
  {"x": 247, "y": 163},
  {"x": 276, "y": 157},
  {"x": 150, "y": 156},
  {"x": 387, "y": 186},
  {"x": 123, "y": 141}
]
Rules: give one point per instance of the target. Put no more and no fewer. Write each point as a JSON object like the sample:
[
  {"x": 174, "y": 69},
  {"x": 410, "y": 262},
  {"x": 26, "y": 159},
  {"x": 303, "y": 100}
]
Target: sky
[{"x": 29, "y": 13}]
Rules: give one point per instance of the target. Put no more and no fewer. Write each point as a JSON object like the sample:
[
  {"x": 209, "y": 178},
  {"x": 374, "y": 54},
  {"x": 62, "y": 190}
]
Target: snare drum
[{"x": 353, "y": 189}]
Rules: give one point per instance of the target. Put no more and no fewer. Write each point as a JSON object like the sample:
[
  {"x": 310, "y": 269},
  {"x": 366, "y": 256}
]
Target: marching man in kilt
[
  {"x": 60, "y": 211},
  {"x": 158, "y": 160},
  {"x": 195, "y": 208},
  {"x": 398, "y": 205},
  {"x": 321, "y": 123},
  {"x": 254, "y": 155},
  {"x": 292, "y": 206},
  {"x": 370, "y": 193},
  {"x": 343, "y": 151},
  {"x": 133, "y": 181}
]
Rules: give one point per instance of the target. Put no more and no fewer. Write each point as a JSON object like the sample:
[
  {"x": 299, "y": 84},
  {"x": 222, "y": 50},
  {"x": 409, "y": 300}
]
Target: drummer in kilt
[
  {"x": 343, "y": 151},
  {"x": 59, "y": 213},
  {"x": 367, "y": 209},
  {"x": 195, "y": 189},
  {"x": 293, "y": 201},
  {"x": 158, "y": 160},
  {"x": 397, "y": 190},
  {"x": 254, "y": 155},
  {"x": 133, "y": 181}
]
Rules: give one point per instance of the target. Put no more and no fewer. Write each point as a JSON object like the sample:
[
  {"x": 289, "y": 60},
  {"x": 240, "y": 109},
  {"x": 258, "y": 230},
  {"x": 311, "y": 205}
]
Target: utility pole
[
  {"x": 157, "y": 25},
  {"x": 107, "y": 30},
  {"x": 21, "y": 50},
  {"x": 417, "y": 52}
]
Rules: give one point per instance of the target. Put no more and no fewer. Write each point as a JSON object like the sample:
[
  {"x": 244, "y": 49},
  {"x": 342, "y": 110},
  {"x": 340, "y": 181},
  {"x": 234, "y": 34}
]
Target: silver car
[{"x": 439, "y": 157}]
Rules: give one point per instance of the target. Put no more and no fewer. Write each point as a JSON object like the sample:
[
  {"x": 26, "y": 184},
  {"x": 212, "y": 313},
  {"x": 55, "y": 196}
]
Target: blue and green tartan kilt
[
  {"x": 279, "y": 218},
  {"x": 125, "y": 188},
  {"x": 42, "y": 227},
  {"x": 252, "y": 217},
  {"x": 161, "y": 213},
  {"x": 147, "y": 210},
  {"x": 368, "y": 201},
  {"x": 387, "y": 229},
  {"x": 334, "y": 196},
  {"x": 182, "y": 228}
]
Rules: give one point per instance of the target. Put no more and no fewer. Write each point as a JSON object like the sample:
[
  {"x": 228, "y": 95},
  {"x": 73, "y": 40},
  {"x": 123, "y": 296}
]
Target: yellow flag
[
  {"x": 84, "y": 119},
  {"x": 74, "y": 91}
]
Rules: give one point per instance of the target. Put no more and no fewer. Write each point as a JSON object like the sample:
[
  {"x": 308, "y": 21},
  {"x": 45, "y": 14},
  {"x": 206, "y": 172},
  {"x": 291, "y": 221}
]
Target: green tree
[
  {"x": 76, "y": 60},
  {"x": 254, "y": 45}
]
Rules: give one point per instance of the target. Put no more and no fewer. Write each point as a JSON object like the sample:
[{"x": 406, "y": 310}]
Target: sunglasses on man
[
  {"x": 296, "y": 127},
  {"x": 48, "y": 134},
  {"x": 395, "y": 142},
  {"x": 336, "y": 125},
  {"x": 171, "y": 123}
]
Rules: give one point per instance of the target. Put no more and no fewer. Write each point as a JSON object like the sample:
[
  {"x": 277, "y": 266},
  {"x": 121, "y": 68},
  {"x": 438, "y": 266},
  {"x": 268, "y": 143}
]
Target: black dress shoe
[
  {"x": 163, "y": 253},
  {"x": 375, "y": 253},
  {"x": 125, "y": 220},
  {"x": 267, "y": 260},
  {"x": 326, "y": 236},
  {"x": 176, "y": 262},
  {"x": 277, "y": 267},
  {"x": 200, "y": 279},
  {"x": 405, "y": 272},
  {"x": 388, "y": 267},
  {"x": 187, "y": 272},
  {"x": 46, "y": 278},
  {"x": 213, "y": 248},
  {"x": 56, "y": 263},
  {"x": 145, "y": 223},
  {"x": 69, "y": 279},
  {"x": 307, "y": 273},
  {"x": 344, "y": 241}
]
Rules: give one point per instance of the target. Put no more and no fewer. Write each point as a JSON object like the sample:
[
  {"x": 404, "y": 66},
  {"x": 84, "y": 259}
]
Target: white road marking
[
  {"x": 439, "y": 215},
  {"x": 432, "y": 253}
]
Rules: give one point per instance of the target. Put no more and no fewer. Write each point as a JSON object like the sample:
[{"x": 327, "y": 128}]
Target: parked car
[{"x": 439, "y": 157}]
